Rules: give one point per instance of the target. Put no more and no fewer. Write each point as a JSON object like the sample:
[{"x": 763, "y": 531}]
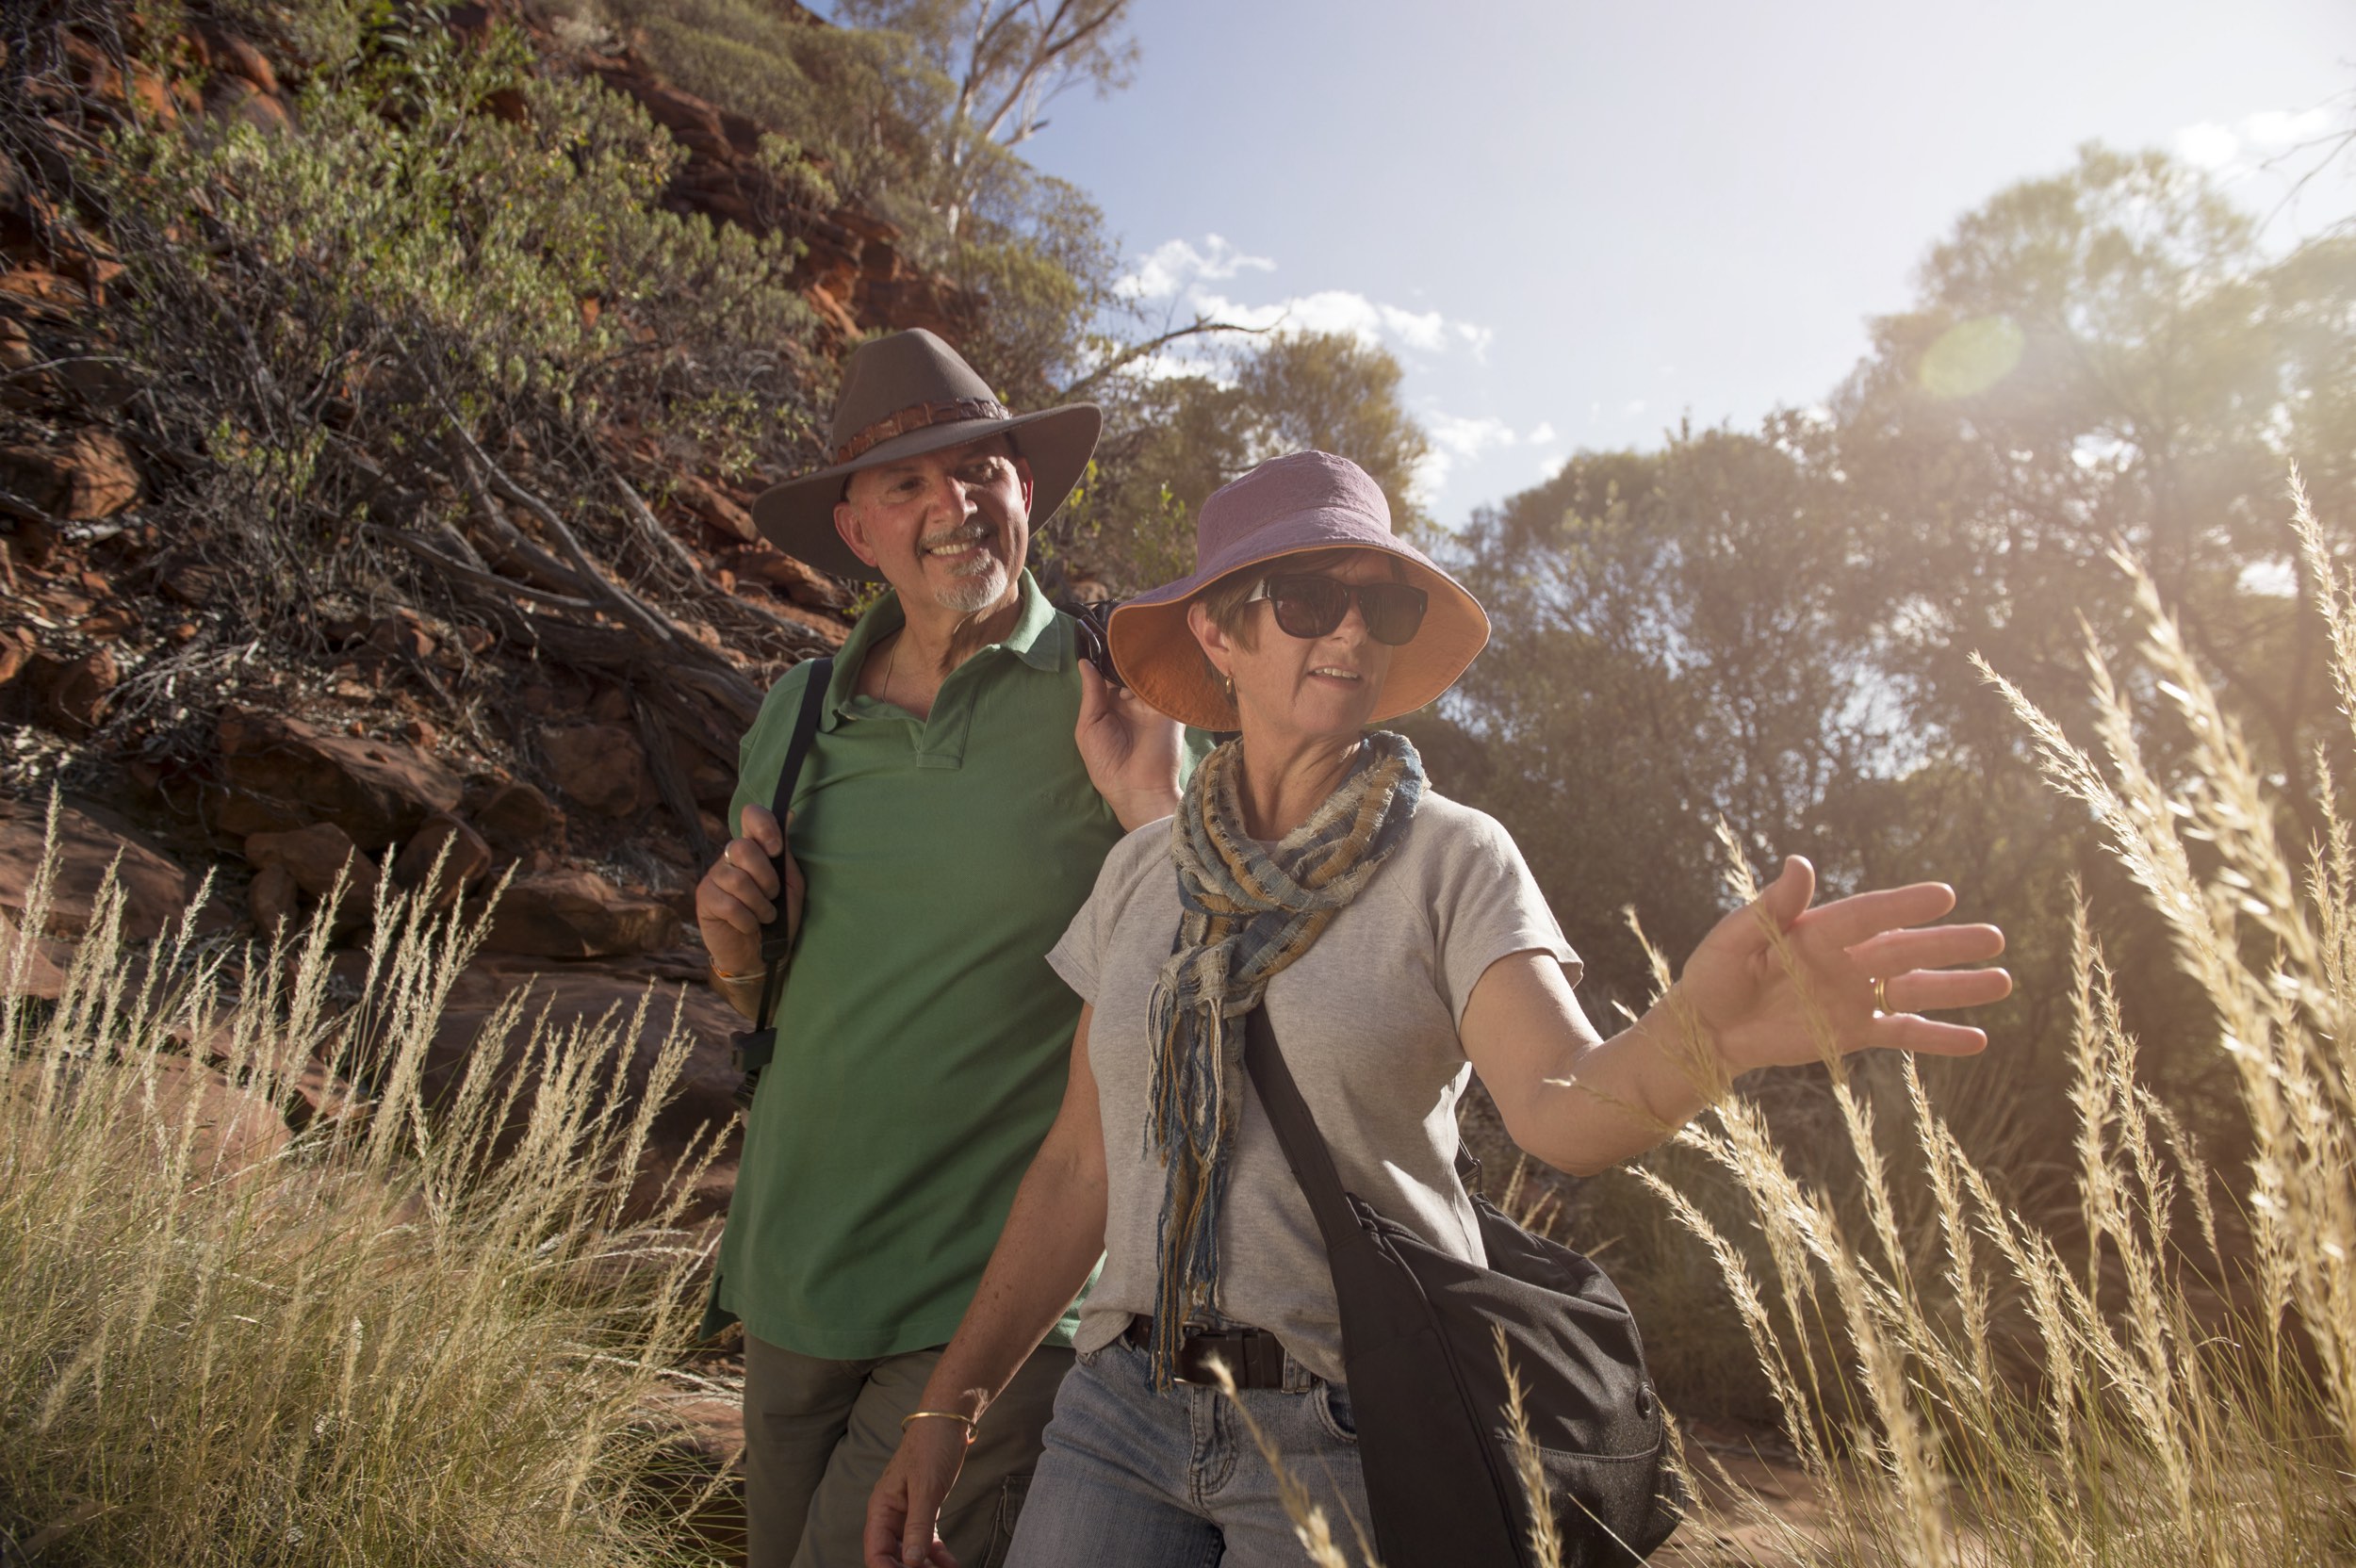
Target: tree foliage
[
  {"x": 1002, "y": 61},
  {"x": 1172, "y": 440},
  {"x": 1777, "y": 627}
]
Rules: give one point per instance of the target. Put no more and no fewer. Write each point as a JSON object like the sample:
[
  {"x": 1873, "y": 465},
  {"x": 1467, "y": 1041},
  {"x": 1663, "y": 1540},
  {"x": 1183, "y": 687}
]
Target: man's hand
[
  {"x": 1130, "y": 750},
  {"x": 738, "y": 895},
  {"x": 1767, "y": 1008},
  {"x": 904, "y": 1510}
]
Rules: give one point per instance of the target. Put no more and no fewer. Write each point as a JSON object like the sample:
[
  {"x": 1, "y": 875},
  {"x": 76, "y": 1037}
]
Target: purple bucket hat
[{"x": 1293, "y": 505}]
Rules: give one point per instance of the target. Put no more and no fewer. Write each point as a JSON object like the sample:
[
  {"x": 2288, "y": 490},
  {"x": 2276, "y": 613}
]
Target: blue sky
[{"x": 1576, "y": 223}]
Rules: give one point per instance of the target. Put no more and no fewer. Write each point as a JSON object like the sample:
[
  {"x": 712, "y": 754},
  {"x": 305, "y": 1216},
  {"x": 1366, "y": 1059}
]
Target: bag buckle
[{"x": 749, "y": 1050}]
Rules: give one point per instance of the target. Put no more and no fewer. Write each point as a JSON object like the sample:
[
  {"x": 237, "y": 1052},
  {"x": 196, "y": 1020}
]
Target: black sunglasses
[{"x": 1311, "y": 606}]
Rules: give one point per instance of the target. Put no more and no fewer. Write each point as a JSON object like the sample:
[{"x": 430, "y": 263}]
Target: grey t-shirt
[{"x": 1367, "y": 1021}]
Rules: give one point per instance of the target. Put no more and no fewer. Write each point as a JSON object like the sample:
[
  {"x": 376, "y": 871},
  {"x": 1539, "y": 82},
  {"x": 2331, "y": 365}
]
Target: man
[{"x": 967, "y": 774}]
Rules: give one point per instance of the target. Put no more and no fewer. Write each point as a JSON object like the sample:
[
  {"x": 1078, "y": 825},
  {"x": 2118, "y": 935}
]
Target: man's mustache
[{"x": 964, "y": 533}]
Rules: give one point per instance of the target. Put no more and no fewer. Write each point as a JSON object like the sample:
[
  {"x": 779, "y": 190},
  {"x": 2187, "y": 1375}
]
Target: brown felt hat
[
  {"x": 903, "y": 396},
  {"x": 1295, "y": 505}
]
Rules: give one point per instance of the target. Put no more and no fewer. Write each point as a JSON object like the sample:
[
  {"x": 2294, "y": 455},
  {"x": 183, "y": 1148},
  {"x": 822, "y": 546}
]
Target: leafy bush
[{"x": 410, "y": 259}]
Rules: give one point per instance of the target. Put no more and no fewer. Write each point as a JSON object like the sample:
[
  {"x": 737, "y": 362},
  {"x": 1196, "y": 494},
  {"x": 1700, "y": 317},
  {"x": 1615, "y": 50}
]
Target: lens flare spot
[{"x": 1971, "y": 356}]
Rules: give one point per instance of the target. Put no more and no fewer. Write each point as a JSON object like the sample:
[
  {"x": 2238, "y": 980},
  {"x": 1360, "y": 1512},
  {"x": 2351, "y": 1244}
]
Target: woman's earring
[{"x": 1229, "y": 681}]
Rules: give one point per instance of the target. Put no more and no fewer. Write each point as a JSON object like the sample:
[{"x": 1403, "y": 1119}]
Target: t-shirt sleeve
[
  {"x": 1487, "y": 908},
  {"x": 1079, "y": 958}
]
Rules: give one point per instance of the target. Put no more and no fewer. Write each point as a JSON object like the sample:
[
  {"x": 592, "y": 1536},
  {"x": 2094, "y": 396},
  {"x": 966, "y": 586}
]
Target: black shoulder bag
[
  {"x": 1419, "y": 1350},
  {"x": 754, "y": 1047}
]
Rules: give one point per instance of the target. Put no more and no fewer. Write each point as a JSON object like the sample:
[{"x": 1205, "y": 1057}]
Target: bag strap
[
  {"x": 1305, "y": 1149},
  {"x": 777, "y": 942}
]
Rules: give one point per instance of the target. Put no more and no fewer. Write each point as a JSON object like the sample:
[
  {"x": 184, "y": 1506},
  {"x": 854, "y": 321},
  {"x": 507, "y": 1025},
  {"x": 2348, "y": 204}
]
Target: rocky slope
[{"x": 511, "y": 743}]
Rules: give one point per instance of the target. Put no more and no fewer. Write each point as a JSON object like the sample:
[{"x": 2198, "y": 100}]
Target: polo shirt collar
[{"x": 1040, "y": 639}]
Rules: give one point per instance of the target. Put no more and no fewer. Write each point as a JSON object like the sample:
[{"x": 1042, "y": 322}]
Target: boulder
[
  {"x": 70, "y": 695},
  {"x": 516, "y": 817},
  {"x": 156, "y": 891},
  {"x": 600, "y": 765},
  {"x": 576, "y": 914},
  {"x": 274, "y": 900},
  {"x": 235, "y": 1129},
  {"x": 803, "y": 585},
  {"x": 239, "y": 58},
  {"x": 576, "y": 992},
  {"x": 235, "y": 98},
  {"x": 314, "y": 856},
  {"x": 89, "y": 477},
  {"x": 31, "y": 966},
  {"x": 718, "y": 510},
  {"x": 463, "y": 855},
  {"x": 283, "y": 774}
]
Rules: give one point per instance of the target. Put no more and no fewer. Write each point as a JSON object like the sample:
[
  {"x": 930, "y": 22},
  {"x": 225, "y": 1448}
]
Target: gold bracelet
[
  {"x": 957, "y": 1415},
  {"x": 725, "y": 978}
]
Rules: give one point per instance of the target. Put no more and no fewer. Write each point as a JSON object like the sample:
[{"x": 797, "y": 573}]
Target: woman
[{"x": 1396, "y": 939}]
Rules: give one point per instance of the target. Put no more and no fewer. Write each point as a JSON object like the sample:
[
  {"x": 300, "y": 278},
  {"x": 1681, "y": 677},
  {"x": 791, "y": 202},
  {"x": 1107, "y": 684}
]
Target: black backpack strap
[
  {"x": 1305, "y": 1149},
  {"x": 757, "y": 1045}
]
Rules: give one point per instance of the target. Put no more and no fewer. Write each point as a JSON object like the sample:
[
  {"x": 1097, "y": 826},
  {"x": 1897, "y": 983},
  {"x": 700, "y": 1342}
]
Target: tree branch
[{"x": 1136, "y": 351}]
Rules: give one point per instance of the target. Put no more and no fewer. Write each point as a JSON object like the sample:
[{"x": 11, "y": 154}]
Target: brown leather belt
[{"x": 1253, "y": 1356}]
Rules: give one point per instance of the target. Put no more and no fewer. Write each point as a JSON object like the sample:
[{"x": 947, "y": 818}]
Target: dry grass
[
  {"x": 2192, "y": 1387},
  {"x": 2168, "y": 1379},
  {"x": 398, "y": 1336}
]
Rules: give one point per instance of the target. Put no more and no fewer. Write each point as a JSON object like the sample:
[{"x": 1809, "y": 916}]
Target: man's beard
[{"x": 972, "y": 590}]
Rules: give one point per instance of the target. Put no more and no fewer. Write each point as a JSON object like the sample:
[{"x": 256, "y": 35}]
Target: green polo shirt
[{"x": 923, "y": 1042}]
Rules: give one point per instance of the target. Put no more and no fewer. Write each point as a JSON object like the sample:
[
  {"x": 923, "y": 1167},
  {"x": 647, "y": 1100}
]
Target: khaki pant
[{"x": 818, "y": 1433}]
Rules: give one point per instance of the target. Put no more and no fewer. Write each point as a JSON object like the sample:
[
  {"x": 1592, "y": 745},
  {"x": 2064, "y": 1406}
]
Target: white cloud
[
  {"x": 1468, "y": 438},
  {"x": 1172, "y": 266},
  {"x": 1456, "y": 439},
  {"x": 2282, "y": 128},
  {"x": 1636, "y": 405},
  {"x": 2230, "y": 150},
  {"x": 1179, "y": 272},
  {"x": 2208, "y": 145}
]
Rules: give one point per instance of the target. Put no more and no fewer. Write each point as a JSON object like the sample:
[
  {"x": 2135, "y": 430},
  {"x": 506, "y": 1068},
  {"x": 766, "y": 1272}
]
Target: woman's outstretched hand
[
  {"x": 1766, "y": 1008},
  {"x": 904, "y": 1510}
]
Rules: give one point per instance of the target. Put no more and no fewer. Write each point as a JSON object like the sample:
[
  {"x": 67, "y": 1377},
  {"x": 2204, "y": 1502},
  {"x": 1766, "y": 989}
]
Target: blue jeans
[{"x": 1173, "y": 1479}]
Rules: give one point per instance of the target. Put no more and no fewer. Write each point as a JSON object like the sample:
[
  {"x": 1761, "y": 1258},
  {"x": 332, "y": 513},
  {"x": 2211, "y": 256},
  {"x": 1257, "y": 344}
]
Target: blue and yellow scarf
[{"x": 1250, "y": 910}]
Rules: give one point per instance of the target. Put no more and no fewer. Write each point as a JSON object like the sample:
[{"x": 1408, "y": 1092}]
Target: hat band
[{"x": 952, "y": 410}]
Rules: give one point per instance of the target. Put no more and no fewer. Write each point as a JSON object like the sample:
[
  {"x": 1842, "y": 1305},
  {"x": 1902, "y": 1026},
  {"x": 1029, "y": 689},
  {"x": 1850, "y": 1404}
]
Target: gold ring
[{"x": 1881, "y": 995}]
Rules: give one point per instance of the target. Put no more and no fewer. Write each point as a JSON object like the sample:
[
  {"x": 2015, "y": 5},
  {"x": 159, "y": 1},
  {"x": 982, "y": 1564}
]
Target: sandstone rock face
[
  {"x": 314, "y": 856},
  {"x": 156, "y": 891},
  {"x": 283, "y": 774},
  {"x": 578, "y": 914},
  {"x": 460, "y": 849},
  {"x": 600, "y": 765}
]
